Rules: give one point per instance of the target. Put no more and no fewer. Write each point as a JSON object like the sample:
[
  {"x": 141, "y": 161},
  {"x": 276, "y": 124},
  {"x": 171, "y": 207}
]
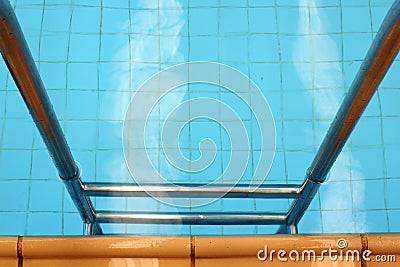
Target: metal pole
[
  {"x": 189, "y": 190},
  {"x": 376, "y": 63},
  {"x": 222, "y": 218},
  {"x": 19, "y": 60},
  {"x": 88, "y": 229}
]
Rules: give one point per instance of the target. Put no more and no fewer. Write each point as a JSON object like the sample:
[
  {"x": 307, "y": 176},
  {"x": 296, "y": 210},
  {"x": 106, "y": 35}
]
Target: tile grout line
[
  {"x": 192, "y": 252},
  {"x": 364, "y": 247},
  {"x": 19, "y": 252}
]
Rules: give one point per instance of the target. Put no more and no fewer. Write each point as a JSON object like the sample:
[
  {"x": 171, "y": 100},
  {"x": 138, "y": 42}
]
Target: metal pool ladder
[{"x": 21, "y": 65}]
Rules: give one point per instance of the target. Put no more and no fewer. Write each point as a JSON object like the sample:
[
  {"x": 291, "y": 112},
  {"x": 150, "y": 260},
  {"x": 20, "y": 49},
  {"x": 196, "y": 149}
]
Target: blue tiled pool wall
[{"x": 303, "y": 55}]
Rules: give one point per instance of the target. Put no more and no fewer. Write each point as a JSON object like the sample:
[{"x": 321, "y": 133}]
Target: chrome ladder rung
[
  {"x": 16, "y": 54},
  {"x": 184, "y": 190},
  {"x": 204, "y": 218}
]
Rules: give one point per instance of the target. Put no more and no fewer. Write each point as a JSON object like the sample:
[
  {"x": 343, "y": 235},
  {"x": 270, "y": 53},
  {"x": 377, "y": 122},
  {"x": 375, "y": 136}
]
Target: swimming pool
[{"x": 302, "y": 55}]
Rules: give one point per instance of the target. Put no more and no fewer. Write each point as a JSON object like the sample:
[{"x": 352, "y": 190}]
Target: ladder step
[
  {"x": 215, "y": 218},
  {"x": 190, "y": 190}
]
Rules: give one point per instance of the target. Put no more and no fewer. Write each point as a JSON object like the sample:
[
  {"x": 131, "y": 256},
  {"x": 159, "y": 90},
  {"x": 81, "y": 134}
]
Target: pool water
[{"x": 303, "y": 55}]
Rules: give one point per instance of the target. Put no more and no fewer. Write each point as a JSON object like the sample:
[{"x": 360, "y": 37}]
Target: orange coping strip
[{"x": 186, "y": 250}]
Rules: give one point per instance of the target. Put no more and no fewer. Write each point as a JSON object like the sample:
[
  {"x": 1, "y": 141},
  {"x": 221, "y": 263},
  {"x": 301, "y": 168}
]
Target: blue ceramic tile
[
  {"x": 53, "y": 75},
  {"x": 174, "y": 229},
  {"x": 115, "y": 4},
  {"x": 296, "y": 137},
  {"x": 206, "y": 230},
  {"x": 72, "y": 224},
  {"x": 30, "y": 17},
  {"x": 115, "y": 203},
  {"x": 15, "y": 164},
  {"x": 371, "y": 221},
  {"x": 355, "y": 45},
  {"x": 18, "y": 134},
  {"x": 391, "y": 79},
  {"x": 390, "y": 133},
  {"x": 389, "y": 106},
  {"x": 394, "y": 220},
  {"x": 291, "y": 76},
  {"x": 58, "y": 98},
  {"x": 172, "y": 50},
  {"x": 43, "y": 166},
  {"x": 12, "y": 223},
  {"x": 356, "y": 3},
  {"x": 392, "y": 161},
  {"x": 57, "y": 18},
  {"x": 271, "y": 205},
  {"x": 54, "y": 47},
  {"x": 267, "y": 78},
  {"x": 266, "y": 229},
  {"x": 356, "y": 19},
  {"x": 114, "y": 20},
  {"x": 311, "y": 222},
  {"x": 336, "y": 196},
  {"x": 110, "y": 166},
  {"x": 174, "y": 21},
  {"x": 338, "y": 221},
  {"x": 233, "y": 20},
  {"x": 262, "y": 20},
  {"x": 84, "y": 47},
  {"x": 297, "y": 105},
  {"x": 15, "y": 106},
  {"x": 260, "y": 3},
  {"x": 203, "y": 48},
  {"x": 86, "y": 161},
  {"x": 44, "y": 223},
  {"x": 144, "y": 21},
  {"x": 378, "y": 14},
  {"x": 145, "y": 229},
  {"x": 234, "y": 48},
  {"x": 107, "y": 72},
  {"x": 367, "y": 133},
  {"x": 77, "y": 140},
  {"x": 392, "y": 189},
  {"x": 288, "y": 19},
  {"x": 386, "y": 3},
  {"x": 244, "y": 229},
  {"x": 263, "y": 47},
  {"x": 296, "y": 54},
  {"x": 277, "y": 171},
  {"x": 82, "y": 105},
  {"x": 143, "y": 204},
  {"x": 369, "y": 194},
  {"x": 110, "y": 135},
  {"x": 82, "y": 76},
  {"x": 45, "y": 196},
  {"x": 297, "y": 164},
  {"x": 367, "y": 163},
  {"x": 15, "y": 195},
  {"x": 116, "y": 48},
  {"x": 287, "y": 43},
  {"x": 151, "y": 4},
  {"x": 203, "y": 21},
  {"x": 325, "y": 20},
  {"x": 85, "y": 19},
  {"x": 68, "y": 205},
  {"x": 315, "y": 204}
]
